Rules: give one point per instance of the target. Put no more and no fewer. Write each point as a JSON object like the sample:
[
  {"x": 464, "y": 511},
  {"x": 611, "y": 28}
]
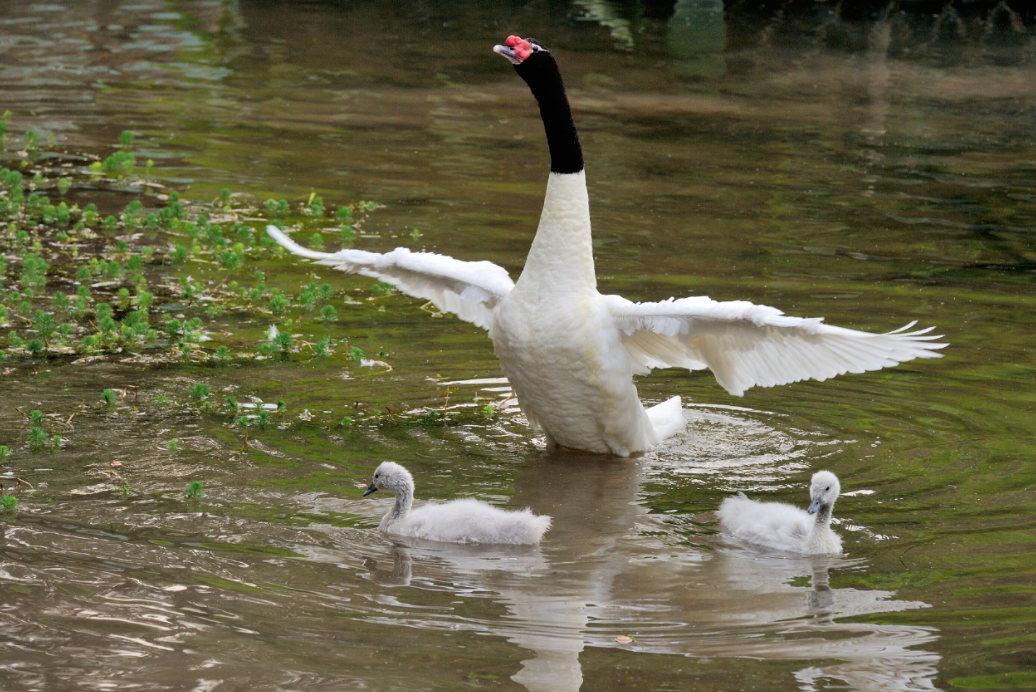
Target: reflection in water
[
  {"x": 697, "y": 37},
  {"x": 609, "y": 568},
  {"x": 760, "y": 180}
]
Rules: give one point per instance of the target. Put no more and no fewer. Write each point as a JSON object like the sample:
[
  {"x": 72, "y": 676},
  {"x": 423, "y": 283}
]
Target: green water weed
[
  {"x": 198, "y": 391},
  {"x": 194, "y": 490},
  {"x": 37, "y": 437}
]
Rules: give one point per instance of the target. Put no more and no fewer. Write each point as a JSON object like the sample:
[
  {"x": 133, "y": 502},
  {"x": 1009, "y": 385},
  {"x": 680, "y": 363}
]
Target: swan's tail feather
[
  {"x": 667, "y": 418},
  {"x": 291, "y": 246}
]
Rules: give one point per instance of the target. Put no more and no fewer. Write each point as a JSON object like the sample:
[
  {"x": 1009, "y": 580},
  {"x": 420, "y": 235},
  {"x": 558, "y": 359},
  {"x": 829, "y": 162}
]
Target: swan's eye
[
  {"x": 375, "y": 475},
  {"x": 827, "y": 488}
]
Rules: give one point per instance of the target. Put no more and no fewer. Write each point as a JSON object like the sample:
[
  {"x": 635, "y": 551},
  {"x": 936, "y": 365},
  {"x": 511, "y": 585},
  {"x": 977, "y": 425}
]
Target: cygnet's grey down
[
  {"x": 459, "y": 521},
  {"x": 783, "y": 527}
]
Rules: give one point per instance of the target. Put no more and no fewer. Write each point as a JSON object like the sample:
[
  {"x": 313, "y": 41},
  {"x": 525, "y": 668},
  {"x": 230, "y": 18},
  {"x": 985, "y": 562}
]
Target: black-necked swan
[
  {"x": 459, "y": 521},
  {"x": 783, "y": 527},
  {"x": 570, "y": 353}
]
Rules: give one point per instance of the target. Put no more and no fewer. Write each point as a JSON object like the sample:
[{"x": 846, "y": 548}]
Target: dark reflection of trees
[{"x": 993, "y": 29}]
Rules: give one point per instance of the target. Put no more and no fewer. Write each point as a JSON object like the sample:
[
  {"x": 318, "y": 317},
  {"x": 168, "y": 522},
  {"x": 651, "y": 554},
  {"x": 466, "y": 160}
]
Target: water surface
[{"x": 872, "y": 170}]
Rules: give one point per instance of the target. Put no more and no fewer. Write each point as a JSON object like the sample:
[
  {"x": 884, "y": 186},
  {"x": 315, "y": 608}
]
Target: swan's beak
[
  {"x": 370, "y": 489},
  {"x": 814, "y": 506},
  {"x": 507, "y": 53}
]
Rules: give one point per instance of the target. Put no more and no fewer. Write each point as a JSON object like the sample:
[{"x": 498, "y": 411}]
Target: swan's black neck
[{"x": 542, "y": 75}]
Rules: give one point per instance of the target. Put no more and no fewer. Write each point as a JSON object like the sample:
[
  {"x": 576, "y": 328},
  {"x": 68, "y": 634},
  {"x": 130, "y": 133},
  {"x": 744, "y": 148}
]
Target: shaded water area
[{"x": 874, "y": 170}]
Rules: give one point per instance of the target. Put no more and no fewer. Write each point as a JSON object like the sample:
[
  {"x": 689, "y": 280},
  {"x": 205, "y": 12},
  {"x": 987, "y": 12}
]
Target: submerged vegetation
[
  {"x": 146, "y": 278},
  {"x": 99, "y": 261}
]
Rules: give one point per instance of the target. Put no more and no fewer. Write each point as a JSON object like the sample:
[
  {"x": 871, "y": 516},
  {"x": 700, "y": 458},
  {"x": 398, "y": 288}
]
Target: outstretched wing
[
  {"x": 470, "y": 290},
  {"x": 747, "y": 345}
]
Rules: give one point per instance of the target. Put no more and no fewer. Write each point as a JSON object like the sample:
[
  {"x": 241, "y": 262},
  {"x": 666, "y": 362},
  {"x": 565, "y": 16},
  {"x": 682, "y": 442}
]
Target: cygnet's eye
[
  {"x": 375, "y": 475},
  {"x": 825, "y": 489}
]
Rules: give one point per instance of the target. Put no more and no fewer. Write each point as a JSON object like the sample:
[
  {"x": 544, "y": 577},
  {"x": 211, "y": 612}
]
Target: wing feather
[
  {"x": 470, "y": 290},
  {"x": 747, "y": 345}
]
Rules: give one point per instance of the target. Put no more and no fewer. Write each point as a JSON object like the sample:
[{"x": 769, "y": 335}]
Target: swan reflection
[{"x": 609, "y": 568}]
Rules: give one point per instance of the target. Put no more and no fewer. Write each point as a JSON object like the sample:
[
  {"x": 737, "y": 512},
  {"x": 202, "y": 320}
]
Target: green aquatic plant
[
  {"x": 61, "y": 301},
  {"x": 347, "y": 422},
  {"x": 232, "y": 403},
  {"x": 380, "y": 288},
  {"x": 262, "y": 419},
  {"x": 32, "y": 142},
  {"x": 37, "y": 437},
  {"x": 173, "y": 446},
  {"x": 281, "y": 406},
  {"x": 44, "y": 324},
  {"x": 221, "y": 355},
  {"x": 316, "y": 205},
  {"x": 198, "y": 391},
  {"x": 36, "y": 417},
  {"x": 230, "y": 260},
  {"x": 194, "y": 490},
  {"x": 284, "y": 341},
  {"x": 415, "y": 234},
  {"x": 110, "y": 398},
  {"x": 348, "y": 234},
  {"x": 320, "y": 348},
  {"x": 328, "y": 314},
  {"x": 126, "y": 139},
  {"x": 64, "y": 185},
  {"x": 8, "y": 503},
  {"x": 279, "y": 302},
  {"x": 355, "y": 353}
]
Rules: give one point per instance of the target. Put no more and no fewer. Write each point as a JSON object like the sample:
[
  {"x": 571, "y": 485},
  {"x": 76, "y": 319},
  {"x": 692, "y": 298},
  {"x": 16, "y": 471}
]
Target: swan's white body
[
  {"x": 783, "y": 527},
  {"x": 459, "y": 521},
  {"x": 560, "y": 346},
  {"x": 571, "y": 353}
]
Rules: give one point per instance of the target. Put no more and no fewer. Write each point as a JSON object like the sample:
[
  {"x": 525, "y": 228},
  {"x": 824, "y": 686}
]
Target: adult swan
[{"x": 571, "y": 353}]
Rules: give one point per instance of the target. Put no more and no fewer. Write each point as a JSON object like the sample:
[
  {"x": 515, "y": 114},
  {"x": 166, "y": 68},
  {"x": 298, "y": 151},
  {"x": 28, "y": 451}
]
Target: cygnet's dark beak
[
  {"x": 370, "y": 489},
  {"x": 814, "y": 506}
]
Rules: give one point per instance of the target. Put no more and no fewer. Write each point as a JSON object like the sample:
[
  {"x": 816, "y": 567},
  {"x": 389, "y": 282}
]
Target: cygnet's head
[
  {"x": 389, "y": 476},
  {"x": 824, "y": 489}
]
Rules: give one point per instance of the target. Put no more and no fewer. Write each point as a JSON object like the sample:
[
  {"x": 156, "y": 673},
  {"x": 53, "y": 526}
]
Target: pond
[{"x": 874, "y": 169}]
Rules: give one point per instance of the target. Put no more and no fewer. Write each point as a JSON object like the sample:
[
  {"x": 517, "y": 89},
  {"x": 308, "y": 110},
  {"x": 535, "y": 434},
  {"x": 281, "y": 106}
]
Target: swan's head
[
  {"x": 518, "y": 50},
  {"x": 389, "y": 476},
  {"x": 823, "y": 489}
]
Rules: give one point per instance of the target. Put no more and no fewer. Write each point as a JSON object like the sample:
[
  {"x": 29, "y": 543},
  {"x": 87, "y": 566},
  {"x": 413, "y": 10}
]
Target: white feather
[
  {"x": 459, "y": 521},
  {"x": 470, "y": 290},
  {"x": 747, "y": 345},
  {"x": 783, "y": 527}
]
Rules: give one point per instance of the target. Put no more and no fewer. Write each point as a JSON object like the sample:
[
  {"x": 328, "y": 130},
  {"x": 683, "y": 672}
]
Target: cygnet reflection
[{"x": 608, "y": 562}]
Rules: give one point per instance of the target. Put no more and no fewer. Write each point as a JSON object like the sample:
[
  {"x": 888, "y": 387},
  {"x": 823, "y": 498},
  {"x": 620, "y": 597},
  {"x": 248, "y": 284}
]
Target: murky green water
[{"x": 873, "y": 172}]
